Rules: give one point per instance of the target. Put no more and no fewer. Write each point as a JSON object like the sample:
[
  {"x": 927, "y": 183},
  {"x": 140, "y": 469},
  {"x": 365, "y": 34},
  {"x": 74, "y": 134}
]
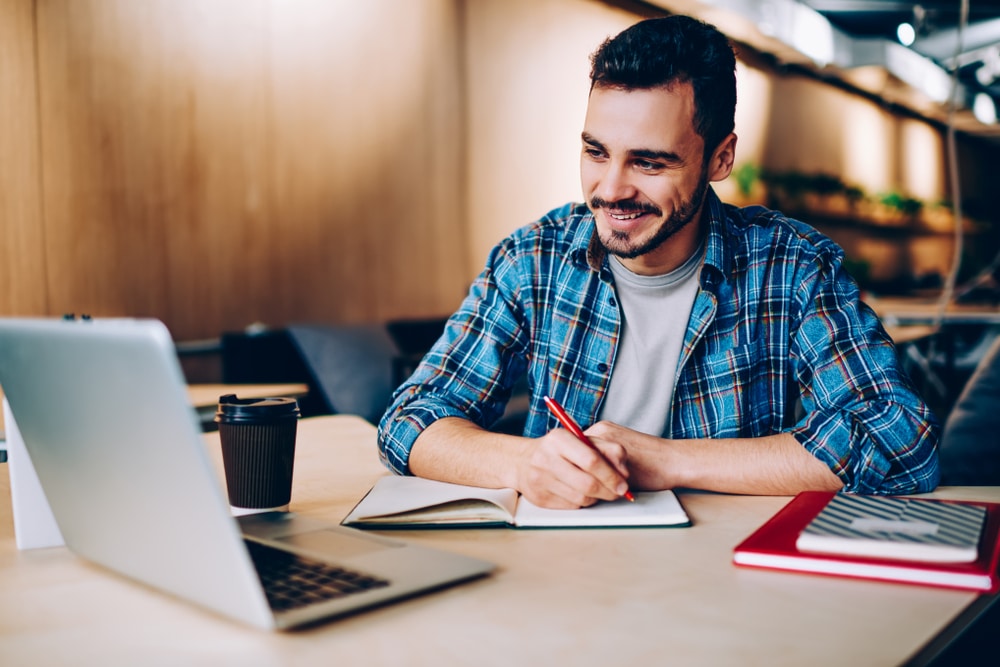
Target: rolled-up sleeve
[
  {"x": 780, "y": 342},
  {"x": 863, "y": 417},
  {"x": 471, "y": 369}
]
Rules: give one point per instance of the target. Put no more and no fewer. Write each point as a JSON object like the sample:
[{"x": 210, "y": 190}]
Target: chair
[
  {"x": 413, "y": 339},
  {"x": 268, "y": 356},
  {"x": 970, "y": 443},
  {"x": 350, "y": 365}
]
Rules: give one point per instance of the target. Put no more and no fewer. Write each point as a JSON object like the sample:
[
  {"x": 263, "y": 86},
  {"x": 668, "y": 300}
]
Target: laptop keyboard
[{"x": 291, "y": 581}]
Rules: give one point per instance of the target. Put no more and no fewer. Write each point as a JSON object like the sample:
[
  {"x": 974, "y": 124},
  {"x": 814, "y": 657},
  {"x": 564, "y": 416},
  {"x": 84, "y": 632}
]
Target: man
[{"x": 707, "y": 346}]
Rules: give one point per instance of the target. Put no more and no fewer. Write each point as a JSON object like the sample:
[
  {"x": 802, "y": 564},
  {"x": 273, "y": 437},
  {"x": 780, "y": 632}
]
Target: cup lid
[{"x": 239, "y": 410}]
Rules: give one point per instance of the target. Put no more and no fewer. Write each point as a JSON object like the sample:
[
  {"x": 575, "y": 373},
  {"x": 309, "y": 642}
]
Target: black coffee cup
[{"x": 258, "y": 450}]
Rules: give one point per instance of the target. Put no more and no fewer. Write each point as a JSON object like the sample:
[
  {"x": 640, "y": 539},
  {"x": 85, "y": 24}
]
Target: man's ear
[{"x": 721, "y": 163}]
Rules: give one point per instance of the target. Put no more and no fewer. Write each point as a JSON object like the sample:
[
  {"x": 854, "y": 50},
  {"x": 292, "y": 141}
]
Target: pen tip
[{"x": 629, "y": 496}]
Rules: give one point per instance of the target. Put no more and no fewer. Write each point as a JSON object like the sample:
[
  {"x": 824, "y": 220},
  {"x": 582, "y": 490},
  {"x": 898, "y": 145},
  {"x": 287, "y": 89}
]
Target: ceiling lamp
[
  {"x": 984, "y": 109},
  {"x": 906, "y": 34}
]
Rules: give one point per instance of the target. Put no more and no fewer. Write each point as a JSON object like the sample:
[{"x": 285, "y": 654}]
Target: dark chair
[
  {"x": 970, "y": 444},
  {"x": 413, "y": 339},
  {"x": 350, "y": 369},
  {"x": 268, "y": 356},
  {"x": 350, "y": 365}
]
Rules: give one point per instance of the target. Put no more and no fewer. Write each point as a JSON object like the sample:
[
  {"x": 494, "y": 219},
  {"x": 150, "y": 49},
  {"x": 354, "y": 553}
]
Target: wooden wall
[
  {"x": 528, "y": 80},
  {"x": 23, "y": 287},
  {"x": 216, "y": 163},
  {"x": 220, "y": 163}
]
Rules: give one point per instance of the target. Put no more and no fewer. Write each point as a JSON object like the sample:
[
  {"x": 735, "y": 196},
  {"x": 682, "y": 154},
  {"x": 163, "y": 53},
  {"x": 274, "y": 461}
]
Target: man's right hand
[
  {"x": 560, "y": 472},
  {"x": 556, "y": 470}
]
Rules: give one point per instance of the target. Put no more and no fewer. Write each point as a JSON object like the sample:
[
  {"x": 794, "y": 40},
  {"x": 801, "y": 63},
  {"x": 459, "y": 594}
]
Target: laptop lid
[{"x": 103, "y": 410}]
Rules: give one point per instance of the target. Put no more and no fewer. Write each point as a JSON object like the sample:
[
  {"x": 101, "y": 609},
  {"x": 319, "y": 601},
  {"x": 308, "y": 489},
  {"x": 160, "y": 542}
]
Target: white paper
[{"x": 34, "y": 525}]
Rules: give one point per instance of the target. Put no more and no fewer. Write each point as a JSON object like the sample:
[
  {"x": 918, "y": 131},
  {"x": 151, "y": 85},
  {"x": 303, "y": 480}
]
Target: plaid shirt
[{"x": 777, "y": 341}]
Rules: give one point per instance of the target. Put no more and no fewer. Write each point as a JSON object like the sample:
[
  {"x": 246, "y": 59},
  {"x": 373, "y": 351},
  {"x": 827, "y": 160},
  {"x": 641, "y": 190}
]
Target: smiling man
[{"x": 707, "y": 346}]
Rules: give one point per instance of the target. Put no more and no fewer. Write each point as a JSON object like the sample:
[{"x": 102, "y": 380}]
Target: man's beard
[{"x": 619, "y": 243}]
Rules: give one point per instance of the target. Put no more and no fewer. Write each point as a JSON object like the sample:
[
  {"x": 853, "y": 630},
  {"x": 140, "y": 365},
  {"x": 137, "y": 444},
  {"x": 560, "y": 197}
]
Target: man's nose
[{"x": 615, "y": 184}]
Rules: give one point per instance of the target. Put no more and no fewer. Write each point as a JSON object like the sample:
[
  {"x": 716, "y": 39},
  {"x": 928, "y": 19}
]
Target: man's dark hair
[{"x": 675, "y": 49}]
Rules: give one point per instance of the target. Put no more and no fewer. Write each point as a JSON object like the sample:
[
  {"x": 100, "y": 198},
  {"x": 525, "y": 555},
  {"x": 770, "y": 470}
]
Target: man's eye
[
  {"x": 646, "y": 165},
  {"x": 593, "y": 152}
]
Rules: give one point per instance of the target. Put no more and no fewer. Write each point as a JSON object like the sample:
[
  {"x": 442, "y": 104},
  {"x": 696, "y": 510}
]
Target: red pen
[{"x": 575, "y": 429}]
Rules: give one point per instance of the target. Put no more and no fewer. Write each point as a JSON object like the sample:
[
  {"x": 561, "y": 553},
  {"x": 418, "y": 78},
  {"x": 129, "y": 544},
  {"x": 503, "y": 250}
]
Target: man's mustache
[{"x": 624, "y": 206}]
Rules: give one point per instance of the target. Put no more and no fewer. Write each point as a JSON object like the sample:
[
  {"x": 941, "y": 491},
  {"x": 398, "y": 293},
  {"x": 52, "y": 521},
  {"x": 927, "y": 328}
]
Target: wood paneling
[
  {"x": 23, "y": 288},
  {"x": 528, "y": 82},
  {"x": 220, "y": 163}
]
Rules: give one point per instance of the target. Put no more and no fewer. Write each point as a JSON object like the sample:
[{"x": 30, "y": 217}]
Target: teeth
[{"x": 630, "y": 216}]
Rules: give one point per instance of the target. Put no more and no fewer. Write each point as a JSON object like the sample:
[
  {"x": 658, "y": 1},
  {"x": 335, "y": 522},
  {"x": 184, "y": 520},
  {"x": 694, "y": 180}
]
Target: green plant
[
  {"x": 854, "y": 194},
  {"x": 746, "y": 175},
  {"x": 908, "y": 206},
  {"x": 859, "y": 269}
]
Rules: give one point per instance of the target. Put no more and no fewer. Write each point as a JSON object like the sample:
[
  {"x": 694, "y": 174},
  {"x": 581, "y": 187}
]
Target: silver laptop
[{"x": 103, "y": 410}]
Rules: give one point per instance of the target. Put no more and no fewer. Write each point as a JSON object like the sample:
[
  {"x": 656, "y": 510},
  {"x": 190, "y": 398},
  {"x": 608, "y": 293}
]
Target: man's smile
[{"x": 625, "y": 216}]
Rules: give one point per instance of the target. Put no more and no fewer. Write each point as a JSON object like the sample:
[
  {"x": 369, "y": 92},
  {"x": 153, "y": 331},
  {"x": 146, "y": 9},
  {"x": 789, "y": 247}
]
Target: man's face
[{"x": 644, "y": 176}]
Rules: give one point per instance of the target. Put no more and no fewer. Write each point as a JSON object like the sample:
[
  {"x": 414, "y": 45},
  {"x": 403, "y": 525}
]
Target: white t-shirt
[{"x": 655, "y": 312}]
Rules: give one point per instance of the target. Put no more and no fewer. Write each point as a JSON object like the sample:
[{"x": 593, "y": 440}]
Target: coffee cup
[{"x": 258, "y": 451}]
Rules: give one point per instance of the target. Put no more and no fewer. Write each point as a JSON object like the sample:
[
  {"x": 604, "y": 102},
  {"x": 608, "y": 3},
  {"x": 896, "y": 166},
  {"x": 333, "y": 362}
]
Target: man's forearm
[
  {"x": 772, "y": 465},
  {"x": 458, "y": 451}
]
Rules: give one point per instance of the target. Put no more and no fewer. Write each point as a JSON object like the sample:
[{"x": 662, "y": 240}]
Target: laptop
[{"x": 102, "y": 407}]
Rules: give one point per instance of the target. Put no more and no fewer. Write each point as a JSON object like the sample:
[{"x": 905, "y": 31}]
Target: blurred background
[{"x": 225, "y": 164}]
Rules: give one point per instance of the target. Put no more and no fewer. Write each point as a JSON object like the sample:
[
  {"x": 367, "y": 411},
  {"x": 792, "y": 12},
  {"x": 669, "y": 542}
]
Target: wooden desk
[
  {"x": 909, "y": 333},
  {"x": 901, "y": 311},
  {"x": 560, "y": 597},
  {"x": 910, "y": 319},
  {"x": 205, "y": 397}
]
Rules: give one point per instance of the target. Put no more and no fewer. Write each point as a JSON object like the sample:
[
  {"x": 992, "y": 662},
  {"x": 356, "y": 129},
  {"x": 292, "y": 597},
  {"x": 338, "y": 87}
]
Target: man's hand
[
  {"x": 560, "y": 472},
  {"x": 556, "y": 470},
  {"x": 769, "y": 465}
]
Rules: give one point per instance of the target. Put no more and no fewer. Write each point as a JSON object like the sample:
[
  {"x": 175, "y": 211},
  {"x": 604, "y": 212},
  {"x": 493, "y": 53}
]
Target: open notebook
[
  {"x": 414, "y": 502},
  {"x": 103, "y": 411}
]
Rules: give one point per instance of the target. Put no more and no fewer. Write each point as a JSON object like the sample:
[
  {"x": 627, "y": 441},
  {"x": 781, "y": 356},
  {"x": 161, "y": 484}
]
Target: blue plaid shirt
[{"x": 777, "y": 341}]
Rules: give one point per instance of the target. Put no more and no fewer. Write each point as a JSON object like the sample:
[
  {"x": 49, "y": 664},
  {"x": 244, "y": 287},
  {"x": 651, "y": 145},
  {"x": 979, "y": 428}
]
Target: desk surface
[
  {"x": 902, "y": 311},
  {"x": 583, "y": 597},
  {"x": 207, "y": 395}
]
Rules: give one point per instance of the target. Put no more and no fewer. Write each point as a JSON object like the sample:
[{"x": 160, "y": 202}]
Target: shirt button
[
  {"x": 602, "y": 368},
  {"x": 612, "y": 301}
]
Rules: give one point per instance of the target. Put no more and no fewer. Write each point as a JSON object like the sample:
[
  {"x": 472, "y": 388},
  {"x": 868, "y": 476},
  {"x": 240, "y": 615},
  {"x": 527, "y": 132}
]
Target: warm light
[
  {"x": 921, "y": 160},
  {"x": 812, "y": 35},
  {"x": 868, "y": 146},
  {"x": 984, "y": 109},
  {"x": 906, "y": 34},
  {"x": 919, "y": 71}
]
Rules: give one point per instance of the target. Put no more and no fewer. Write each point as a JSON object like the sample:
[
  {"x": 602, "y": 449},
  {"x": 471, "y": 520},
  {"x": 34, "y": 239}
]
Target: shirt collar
[
  {"x": 585, "y": 248},
  {"x": 716, "y": 254}
]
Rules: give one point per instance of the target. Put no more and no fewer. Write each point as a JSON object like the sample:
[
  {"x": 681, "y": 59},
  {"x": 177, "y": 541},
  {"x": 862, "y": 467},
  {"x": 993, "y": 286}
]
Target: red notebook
[{"x": 773, "y": 546}]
